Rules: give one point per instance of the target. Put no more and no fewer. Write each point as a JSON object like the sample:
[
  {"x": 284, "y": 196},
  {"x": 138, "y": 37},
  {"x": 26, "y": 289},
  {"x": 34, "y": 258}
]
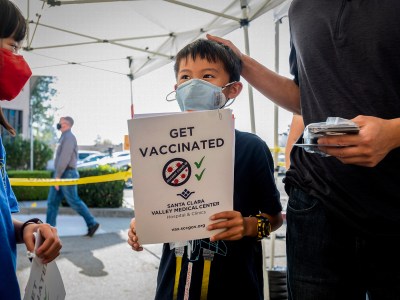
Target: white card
[{"x": 45, "y": 282}]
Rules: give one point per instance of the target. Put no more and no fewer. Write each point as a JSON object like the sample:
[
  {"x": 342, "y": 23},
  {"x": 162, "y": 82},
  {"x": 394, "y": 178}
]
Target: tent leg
[{"x": 245, "y": 24}]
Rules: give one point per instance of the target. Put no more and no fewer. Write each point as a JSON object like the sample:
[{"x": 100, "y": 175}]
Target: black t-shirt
[
  {"x": 345, "y": 59},
  {"x": 235, "y": 271}
]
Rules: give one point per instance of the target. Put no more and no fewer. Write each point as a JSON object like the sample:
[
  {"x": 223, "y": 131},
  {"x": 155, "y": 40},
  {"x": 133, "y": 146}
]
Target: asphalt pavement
[{"x": 105, "y": 267}]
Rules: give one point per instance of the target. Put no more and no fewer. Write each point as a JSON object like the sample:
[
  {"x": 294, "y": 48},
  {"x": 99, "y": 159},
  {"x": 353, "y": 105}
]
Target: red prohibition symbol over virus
[{"x": 176, "y": 172}]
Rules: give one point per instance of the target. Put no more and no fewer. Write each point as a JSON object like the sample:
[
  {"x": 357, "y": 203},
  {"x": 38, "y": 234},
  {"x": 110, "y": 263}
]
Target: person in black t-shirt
[
  {"x": 229, "y": 264},
  {"x": 343, "y": 213}
]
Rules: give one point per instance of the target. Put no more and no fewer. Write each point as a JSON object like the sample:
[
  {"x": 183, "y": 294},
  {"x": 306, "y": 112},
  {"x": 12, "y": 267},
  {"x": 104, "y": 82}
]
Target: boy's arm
[{"x": 251, "y": 224}]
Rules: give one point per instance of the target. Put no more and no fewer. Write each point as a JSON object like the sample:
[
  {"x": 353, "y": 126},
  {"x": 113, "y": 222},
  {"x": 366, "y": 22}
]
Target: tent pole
[
  {"x": 276, "y": 109},
  {"x": 245, "y": 25},
  {"x": 30, "y": 95},
  {"x": 131, "y": 84},
  {"x": 130, "y": 76}
]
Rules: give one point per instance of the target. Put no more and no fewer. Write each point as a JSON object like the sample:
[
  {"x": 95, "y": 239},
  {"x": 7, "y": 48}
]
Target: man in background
[{"x": 65, "y": 168}]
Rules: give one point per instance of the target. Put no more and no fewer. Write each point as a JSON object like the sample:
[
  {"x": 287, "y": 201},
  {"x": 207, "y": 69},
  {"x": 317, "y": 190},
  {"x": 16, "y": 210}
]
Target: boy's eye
[
  {"x": 185, "y": 77},
  {"x": 208, "y": 76}
]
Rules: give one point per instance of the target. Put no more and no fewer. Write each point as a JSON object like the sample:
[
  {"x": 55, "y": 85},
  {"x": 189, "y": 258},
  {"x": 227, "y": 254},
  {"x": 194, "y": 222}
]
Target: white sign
[
  {"x": 182, "y": 173},
  {"x": 45, "y": 282}
]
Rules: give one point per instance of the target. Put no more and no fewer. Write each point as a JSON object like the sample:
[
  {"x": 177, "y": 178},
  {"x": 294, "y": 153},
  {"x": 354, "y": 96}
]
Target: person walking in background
[
  {"x": 14, "y": 73},
  {"x": 344, "y": 210},
  {"x": 208, "y": 75},
  {"x": 65, "y": 168}
]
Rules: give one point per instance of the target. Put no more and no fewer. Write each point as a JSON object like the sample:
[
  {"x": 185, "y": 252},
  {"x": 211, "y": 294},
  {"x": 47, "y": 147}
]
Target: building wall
[{"x": 21, "y": 102}]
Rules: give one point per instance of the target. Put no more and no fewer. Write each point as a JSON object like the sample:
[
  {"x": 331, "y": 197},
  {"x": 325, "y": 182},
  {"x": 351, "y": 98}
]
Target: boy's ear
[
  {"x": 175, "y": 86},
  {"x": 234, "y": 90}
]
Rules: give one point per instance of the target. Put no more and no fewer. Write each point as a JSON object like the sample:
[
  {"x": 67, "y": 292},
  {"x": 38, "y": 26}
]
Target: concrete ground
[{"x": 105, "y": 267}]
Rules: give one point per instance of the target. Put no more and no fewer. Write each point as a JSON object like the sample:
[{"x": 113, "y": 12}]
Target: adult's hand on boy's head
[
  {"x": 226, "y": 43},
  {"x": 133, "y": 240},
  {"x": 51, "y": 245},
  {"x": 232, "y": 221}
]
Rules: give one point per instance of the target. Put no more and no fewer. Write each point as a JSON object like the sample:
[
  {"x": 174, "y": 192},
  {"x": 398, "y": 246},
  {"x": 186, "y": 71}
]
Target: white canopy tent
[
  {"x": 133, "y": 37},
  {"x": 136, "y": 37}
]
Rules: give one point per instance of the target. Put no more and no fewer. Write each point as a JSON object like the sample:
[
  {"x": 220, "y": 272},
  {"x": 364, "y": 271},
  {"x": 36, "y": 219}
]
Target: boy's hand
[
  {"x": 133, "y": 240},
  {"x": 234, "y": 224},
  {"x": 51, "y": 246}
]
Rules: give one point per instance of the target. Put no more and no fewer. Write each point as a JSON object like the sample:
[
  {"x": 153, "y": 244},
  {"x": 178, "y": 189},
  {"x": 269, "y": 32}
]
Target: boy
[{"x": 229, "y": 264}]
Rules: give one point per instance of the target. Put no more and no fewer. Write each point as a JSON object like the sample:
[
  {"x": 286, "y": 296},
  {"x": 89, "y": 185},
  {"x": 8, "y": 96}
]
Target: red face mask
[{"x": 14, "y": 73}]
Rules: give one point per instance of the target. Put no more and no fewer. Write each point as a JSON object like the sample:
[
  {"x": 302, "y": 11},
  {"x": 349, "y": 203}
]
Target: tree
[
  {"x": 97, "y": 141},
  {"x": 105, "y": 142},
  {"x": 42, "y": 94},
  {"x": 18, "y": 153}
]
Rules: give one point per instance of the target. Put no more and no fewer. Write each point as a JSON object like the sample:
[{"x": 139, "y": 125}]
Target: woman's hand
[{"x": 51, "y": 245}]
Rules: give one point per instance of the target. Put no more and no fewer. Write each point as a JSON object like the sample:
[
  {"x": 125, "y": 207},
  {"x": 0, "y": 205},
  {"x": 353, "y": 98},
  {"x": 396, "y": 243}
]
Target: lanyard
[
  {"x": 208, "y": 256},
  {"x": 178, "y": 254}
]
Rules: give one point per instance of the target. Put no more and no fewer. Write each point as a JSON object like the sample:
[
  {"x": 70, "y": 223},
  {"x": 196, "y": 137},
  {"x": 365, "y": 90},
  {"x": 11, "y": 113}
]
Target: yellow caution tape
[
  {"x": 281, "y": 164},
  {"x": 55, "y": 182},
  {"x": 277, "y": 150}
]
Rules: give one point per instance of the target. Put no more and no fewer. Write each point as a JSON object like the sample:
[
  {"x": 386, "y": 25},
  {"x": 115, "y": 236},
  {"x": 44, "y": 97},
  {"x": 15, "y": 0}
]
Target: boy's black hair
[
  {"x": 213, "y": 52},
  {"x": 12, "y": 22}
]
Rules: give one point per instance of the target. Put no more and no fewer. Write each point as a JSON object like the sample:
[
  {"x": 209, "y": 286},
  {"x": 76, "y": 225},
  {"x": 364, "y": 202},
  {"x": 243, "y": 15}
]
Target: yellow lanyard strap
[
  {"x": 178, "y": 253},
  {"x": 208, "y": 257}
]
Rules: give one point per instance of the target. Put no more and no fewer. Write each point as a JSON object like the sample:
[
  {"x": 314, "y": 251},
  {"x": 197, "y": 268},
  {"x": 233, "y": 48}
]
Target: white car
[
  {"x": 82, "y": 154},
  {"x": 120, "y": 162},
  {"x": 93, "y": 157}
]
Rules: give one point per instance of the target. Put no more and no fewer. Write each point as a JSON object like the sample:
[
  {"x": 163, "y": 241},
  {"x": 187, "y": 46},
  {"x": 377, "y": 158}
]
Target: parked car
[
  {"x": 122, "y": 162},
  {"x": 82, "y": 154},
  {"x": 121, "y": 154},
  {"x": 93, "y": 157}
]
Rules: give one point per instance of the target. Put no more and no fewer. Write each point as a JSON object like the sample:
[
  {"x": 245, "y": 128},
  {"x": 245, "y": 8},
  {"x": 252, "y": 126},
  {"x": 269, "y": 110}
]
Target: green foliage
[
  {"x": 42, "y": 108},
  {"x": 24, "y": 193},
  {"x": 102, "y": 194},
  {"x": 18, "y": 153}
]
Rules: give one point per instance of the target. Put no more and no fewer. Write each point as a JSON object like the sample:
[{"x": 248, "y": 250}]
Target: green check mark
[
  {"x": 199, "y": 176},
  {"x": 198, "y": 164}
]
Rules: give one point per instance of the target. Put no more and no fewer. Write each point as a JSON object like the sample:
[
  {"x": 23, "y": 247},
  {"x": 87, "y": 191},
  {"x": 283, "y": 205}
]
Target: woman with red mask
[{"x": 14, "y": 73}]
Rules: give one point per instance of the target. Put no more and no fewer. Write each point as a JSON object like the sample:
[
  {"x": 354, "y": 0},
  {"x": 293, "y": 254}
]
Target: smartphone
[{"x": 334, "y": 130}]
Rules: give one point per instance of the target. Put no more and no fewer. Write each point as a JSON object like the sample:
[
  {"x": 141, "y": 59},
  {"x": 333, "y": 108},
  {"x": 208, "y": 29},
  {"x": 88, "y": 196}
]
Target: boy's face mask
[
  {"x": 14, "y": 73},
  {"x": 197, "y": 94}
]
